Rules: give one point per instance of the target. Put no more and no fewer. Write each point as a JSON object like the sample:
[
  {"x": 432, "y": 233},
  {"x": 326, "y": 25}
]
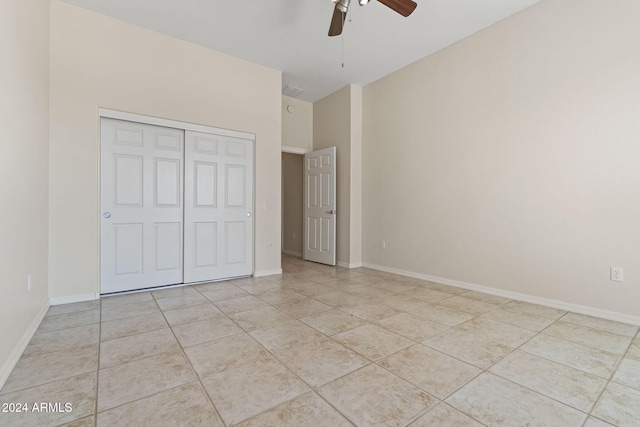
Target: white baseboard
[
  {"x": 15, "y": 355},
  {"x": 292, "y": 253},
  {"x": 267, "y": 273},
  {"x": 73, "y": 298},
  {"x": 562, "y": 305},
  {"x": 349, "y": 265}
]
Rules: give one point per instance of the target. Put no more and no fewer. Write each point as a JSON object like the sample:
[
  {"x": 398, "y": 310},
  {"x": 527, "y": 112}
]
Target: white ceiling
[{"x": 291, "y": 35}]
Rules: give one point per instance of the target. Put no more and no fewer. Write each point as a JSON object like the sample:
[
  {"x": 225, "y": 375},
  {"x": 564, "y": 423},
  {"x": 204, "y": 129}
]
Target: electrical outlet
[
  {"x": 616, "y": 274},
  {"x": 28, "y": 282},
  {"x": 270, "y": 247},
  {"x": 383, "y": 245},
  {"x": 294, "y": 236}
]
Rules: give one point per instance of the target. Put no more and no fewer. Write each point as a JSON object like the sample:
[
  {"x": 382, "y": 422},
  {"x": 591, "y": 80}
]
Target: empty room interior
[{"x": 484, "y": 266}]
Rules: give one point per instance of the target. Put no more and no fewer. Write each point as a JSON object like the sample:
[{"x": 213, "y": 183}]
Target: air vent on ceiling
[{"x": 292, "y": 91}]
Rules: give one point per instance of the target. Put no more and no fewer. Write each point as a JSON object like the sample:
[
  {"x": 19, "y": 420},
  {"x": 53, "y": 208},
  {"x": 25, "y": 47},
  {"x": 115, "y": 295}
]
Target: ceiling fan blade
[
  {"x": 337, "y": 22},
  {"x": 403, "y": 7}
]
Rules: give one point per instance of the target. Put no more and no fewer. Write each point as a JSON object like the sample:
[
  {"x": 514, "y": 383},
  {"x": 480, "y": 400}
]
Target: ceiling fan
[{"x": 403, "y": 7}]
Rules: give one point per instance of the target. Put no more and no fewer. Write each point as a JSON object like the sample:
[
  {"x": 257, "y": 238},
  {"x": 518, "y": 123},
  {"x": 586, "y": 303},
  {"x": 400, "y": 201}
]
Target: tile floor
[{"x": 322, "y": 346}]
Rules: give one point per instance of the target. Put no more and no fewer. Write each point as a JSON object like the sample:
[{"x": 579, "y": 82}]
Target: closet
[{"x": 176, "y": 204}]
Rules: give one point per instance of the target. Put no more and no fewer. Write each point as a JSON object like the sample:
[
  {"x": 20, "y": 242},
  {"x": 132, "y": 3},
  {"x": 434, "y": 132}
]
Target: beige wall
[
  {"x": 337, "y": 121},
  {"x": 24, "y": 120},
  {"x": 510, "y": 159},
  {"x": 101, "y": 62},
  {"x": 292, "y": 203},
  {"x": 297, "y": 127}
]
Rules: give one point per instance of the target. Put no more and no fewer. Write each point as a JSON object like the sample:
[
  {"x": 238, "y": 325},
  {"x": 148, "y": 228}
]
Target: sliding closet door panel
[
  {"x": 218, "y": 240},
  {"x": 141, "y": 205}
]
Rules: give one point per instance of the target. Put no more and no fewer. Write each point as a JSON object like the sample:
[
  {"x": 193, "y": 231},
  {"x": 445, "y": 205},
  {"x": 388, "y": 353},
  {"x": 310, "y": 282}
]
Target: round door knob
[
  {"x": 248, "y": 213},
  {"x": 107, "y": 214}
]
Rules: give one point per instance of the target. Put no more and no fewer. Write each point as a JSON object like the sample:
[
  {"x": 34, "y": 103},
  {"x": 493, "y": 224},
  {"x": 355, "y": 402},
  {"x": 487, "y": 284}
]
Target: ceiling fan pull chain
[{"x": 342, "y": 40}]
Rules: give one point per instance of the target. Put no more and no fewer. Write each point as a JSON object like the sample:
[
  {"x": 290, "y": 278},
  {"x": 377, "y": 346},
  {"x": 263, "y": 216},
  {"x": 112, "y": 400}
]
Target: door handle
[
  {"x": 107, "y": 214},
  {"x": 332, "y": 212}
]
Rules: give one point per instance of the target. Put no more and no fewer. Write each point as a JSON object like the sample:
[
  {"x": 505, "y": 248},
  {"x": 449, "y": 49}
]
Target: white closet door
[
  {"x": 218, "y": 228},
  {"x": 141, "y": 205}
]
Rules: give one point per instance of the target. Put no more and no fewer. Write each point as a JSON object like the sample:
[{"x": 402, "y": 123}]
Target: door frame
[{"x": 157, "y": 121}]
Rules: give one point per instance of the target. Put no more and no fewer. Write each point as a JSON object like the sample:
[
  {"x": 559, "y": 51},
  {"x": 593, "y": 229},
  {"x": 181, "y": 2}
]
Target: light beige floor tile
[
  {"x": 591, "y": 337},
  {"x": 309, "y": 289},
  {"x": 83, "y": 422},
  {"x": 174, "y": 292},
  {"x": 619, "y": 405},
  {"x": 79, "y": 393},
  {"x": 492, "y": 299},
  {"x": 134, "y": 347},
  {"x": 634, "y": 350},
  {"x": 186, "y": 405},
  {"x": 192, "y": 313},
  {"x": 118, "y": 299},
  {"x": 54, "y": 310},
  {"x": 396, "y": 286},
  {"x": 186, "y": 300},
  {"x": 369, "y": 293},
  {"x": 497, "y": 402},
  {"x": 401, "y": 302},
  {"x": 205, "y": 330},
  {"x": 302, "y": 307},
  {"x": 238, "y": 305},
  {"x": 603, "y": 324},
  {"x": 594, "y": 422},
  {"x": 340, "y": 299},
  {"x": 259, "y": 318},
  {"x": 260, "y": 286},
  {"x": 539, "y": 310},
  {"x": 333, "y": 322},
  {"x": 223, "y": 294},
  {"x": 445, "y": 288},
  {"x": 628, "y": 373},
  {"x": 440, "y": 314},
  {"x": 69, "y": 320},
  {"x": 281, "y": 296},
  {"x": 412, "y": 327},
  {"x": 131, "y": 326},
  {"x": 432, "y": 371},
  {"x": 373, "y": 396},
  {"x": 563, "y": 383},
  {"x": 48, "y": 342},
  {"x": 321, "y": 361},
  {"x": 215, "y": 286},
  {"x": 37, "y": 370},
  {"x": 509, "y": 335},
  {"x": 468, "y": 347},
  {"x": 226, "y": 353},
  {"x": 271, "y": 384},
  {"x": 371, "y": 312},
  {"x": 522, "y": 319},
  {"x": 285, "y": 335},
  {"x": 468, "y": 305},
  {"x": 373, "y": 342},
  {"x": 134, "y": 380},
  {"x": 428, "y": 295},
  {"x": 444, "y": 415},
  {"x": 120, "y": 308},
  {"x": 587, "y": 359},
  {"x": 307, "y": 410}
]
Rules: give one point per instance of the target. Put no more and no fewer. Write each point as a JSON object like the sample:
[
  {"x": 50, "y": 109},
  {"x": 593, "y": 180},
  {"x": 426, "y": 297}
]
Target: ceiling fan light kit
[{"x": 403, "y": 7}]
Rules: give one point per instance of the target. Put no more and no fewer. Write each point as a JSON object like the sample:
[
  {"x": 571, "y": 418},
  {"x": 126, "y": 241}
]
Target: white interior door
[
  {"x": 141, "y": 205},
  {"x": 218, "y": 234},
  {"x": 320, "y": 206}
]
